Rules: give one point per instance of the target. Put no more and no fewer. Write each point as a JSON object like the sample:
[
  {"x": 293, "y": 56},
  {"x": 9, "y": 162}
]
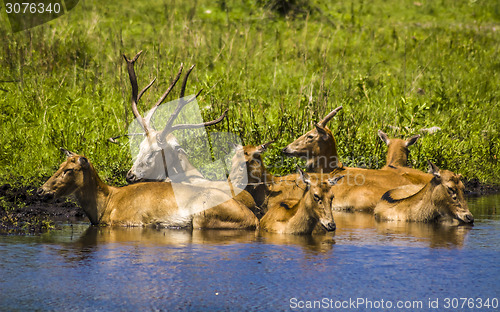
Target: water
[{"x": 364, "y": 266}]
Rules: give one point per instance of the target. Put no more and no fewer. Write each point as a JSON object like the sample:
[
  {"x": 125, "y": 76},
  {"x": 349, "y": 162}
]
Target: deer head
[{"x": 160, "y": 155}]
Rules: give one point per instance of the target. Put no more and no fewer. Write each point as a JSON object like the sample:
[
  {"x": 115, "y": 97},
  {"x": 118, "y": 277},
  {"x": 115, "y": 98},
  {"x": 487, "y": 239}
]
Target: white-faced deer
[
  {"x": 440, "y": 200},
  {"x": 318, "y": 147},
  {"x": 302, "y": 217},
  {"x": 147, "y": 203},
  {"x": 159, "y": 147},
  {"x": 160, "y": 155},
  {"x": 397, "y": 158}
]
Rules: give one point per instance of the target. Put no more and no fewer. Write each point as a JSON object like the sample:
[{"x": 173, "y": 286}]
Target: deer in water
[
  {"x": 267, "y": 190},
  {"x": 397, "y": 158},
  {"x": 303, "y": 216},
  {"x": 361, "y": 189},
  {"x": 160, "y": 156},
  {"x": 440, "y": 200},
  {"x": 146, "y": 203}
]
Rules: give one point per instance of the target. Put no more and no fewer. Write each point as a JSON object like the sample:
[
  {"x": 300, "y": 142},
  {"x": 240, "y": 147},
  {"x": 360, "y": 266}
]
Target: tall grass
[{"x": 390, "y": 63}]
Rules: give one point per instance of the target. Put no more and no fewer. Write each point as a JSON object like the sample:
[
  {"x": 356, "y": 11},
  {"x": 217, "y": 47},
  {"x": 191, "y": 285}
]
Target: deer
[
  {"x": 397, "y": 158},
  {"x": 267, "y": 190},
  {"x": 361, "y": 189},
  {"x": 160, "y": 157},
  {"x": 441, "y": 200},
  {"x": 157, "y": 204},
  {"x": 397, "y": 149},
  {"x": 318, "y": 147},
  {"x": 303, "y": 216}
]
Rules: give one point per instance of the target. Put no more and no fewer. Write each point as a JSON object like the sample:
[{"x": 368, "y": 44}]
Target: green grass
[{"x": 390, "y": 63}]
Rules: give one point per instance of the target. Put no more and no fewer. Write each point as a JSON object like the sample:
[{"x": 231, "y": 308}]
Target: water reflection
[
  {"x": 95, "y": 236},
  {"x": 362, "y": 228}
]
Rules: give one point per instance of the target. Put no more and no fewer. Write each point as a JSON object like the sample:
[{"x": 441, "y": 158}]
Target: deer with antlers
[
  {"x": 361, "y": 188},
  {"x": 156, "y": 204},
  {"x": 160, "y": 157}
]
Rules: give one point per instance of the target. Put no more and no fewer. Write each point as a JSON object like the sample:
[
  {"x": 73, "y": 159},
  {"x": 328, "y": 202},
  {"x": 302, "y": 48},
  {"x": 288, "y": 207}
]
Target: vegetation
[{"x": 278, "y": 66}]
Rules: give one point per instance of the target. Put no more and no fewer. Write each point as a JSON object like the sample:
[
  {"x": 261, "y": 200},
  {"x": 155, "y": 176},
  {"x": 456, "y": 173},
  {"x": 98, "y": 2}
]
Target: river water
[{"x": 364, "y": 266}]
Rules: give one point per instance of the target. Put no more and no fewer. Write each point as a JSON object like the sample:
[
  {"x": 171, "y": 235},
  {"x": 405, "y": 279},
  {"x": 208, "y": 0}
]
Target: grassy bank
[{"x": 390, "y": 63}]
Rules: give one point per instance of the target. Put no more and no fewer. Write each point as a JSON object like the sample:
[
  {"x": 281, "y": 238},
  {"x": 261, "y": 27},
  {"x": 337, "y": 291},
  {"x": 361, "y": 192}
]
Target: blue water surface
[{"x": 365, "y": 262}]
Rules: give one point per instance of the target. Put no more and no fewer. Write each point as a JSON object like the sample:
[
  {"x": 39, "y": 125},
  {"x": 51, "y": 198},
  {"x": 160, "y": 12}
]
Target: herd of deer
[{"x": 299, "y": 203}]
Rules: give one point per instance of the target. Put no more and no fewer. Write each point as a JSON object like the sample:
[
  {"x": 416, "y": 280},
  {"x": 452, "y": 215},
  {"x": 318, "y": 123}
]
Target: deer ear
[
  {"x": 84, "y": 162},
  {"x": 412, "y": 140},
  {"x": 322, "y": 132},
  {"x": 304, "y": 176},
  {"x": 334, "y": 180},
  {"x": 433, "y": 169},
  {"x": 66, "y": 152},
  {"x": 264, "y": 146},
  {"x": 383, "y": 137}
]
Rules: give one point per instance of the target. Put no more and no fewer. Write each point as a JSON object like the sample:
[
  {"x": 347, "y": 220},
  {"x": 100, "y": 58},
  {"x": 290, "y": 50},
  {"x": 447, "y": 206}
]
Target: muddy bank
[
  {"x": 474, "y": 188},
  {"x": 22, "y": 211}
]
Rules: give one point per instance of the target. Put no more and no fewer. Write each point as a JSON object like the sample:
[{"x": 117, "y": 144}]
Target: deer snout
[
  {"x": 131, "y": 177},
  {"x": 465, "y": 217},
  {"x": 329, "y": 226},
  {"x": 41, "y": 192},
  {"x": 469, "y": 218},
  {"x": 286, "y": 151}
]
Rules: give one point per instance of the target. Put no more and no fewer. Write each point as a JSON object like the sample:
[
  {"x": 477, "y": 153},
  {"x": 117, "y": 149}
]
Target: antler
[
  {"x": 325, "y": 120},
  {"x": 164, "y": 96},
  {"x": 135, "y": 95},
  {"x": 146, "y": 121},
  {"x": 182, "y": 102}
]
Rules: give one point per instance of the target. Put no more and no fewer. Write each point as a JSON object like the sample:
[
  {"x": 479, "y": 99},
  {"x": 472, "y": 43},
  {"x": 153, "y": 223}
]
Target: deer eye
[
  {"x": 310, "y": 137},
  {"x": 316, "y": 197},
  {"x": 452, "y": 192},
  {"x": 68, "y": 171}
]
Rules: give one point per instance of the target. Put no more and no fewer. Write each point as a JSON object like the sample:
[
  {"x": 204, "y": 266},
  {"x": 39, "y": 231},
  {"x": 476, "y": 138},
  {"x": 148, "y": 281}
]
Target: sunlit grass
[{"x": 390, "y": 63}]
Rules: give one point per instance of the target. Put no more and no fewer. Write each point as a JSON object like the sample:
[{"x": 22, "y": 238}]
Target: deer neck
[
  {"x": 258, "y": 175},
  {"x": 326, "y": 159},
  {"x": 397, "y": 156},
  {"x": 304, "y": 219},
  {"x": 93, "y": 196},
  {"x": 426, "y": 208}
]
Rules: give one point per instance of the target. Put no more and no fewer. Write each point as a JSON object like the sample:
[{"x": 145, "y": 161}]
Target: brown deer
[
  {"x": 318, "y": 147},
  {"x": 397, "y": 158},
  {"x": 397, "y": 149},
  {"x": 267, "y": 190},
  {"x": 157, "y": 204},
  {"x": 440, "y": 200},
  {"x": 160, "y": 156},
  {"x": 361, "y": 189},
  {"x": 303, "y": 216}
]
